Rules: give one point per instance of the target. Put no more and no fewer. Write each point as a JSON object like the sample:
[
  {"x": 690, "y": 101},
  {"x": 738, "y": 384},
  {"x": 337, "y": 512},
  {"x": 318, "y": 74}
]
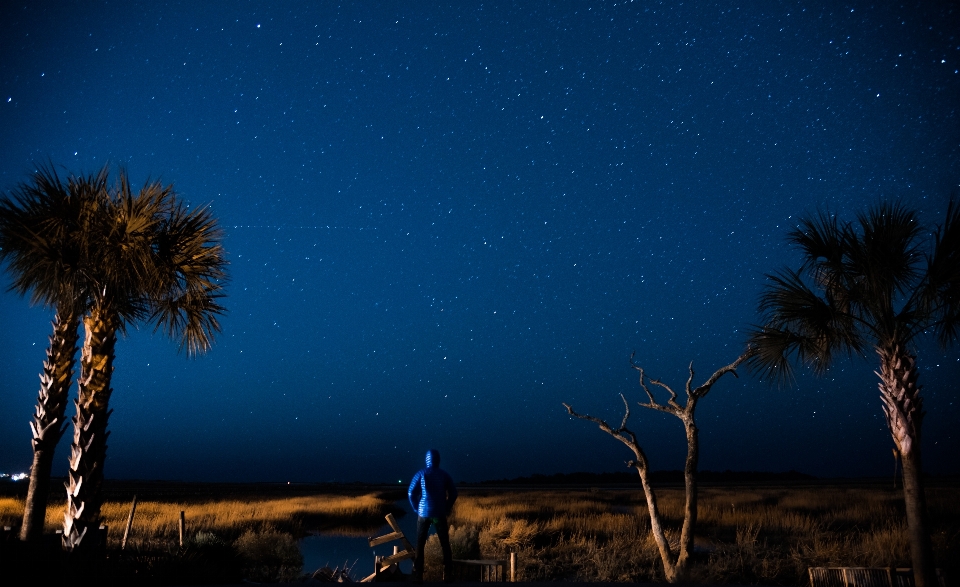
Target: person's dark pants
[{"x": 423, "y": 528}]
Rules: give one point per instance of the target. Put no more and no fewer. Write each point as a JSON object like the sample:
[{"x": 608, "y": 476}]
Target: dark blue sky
[{"x": 445, "y": 220}]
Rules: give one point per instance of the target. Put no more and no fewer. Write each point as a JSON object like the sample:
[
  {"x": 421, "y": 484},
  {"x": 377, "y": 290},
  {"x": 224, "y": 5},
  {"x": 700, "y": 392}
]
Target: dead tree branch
[{"x": 674, "y": 566}]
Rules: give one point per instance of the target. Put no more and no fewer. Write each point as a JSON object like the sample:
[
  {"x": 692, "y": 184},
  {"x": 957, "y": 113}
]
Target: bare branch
[
  {"x": 690, "y": 380},
  {"x": 603, "y": 425},
  {"x": 623, "y": 434},
  {"x": 704, "y": 389},
  {"x": 673, "y": 395},
  {"x": 644, "y": 385},
  {"x": 653, "y": 404},
  {"x": 626, "y": 412}
]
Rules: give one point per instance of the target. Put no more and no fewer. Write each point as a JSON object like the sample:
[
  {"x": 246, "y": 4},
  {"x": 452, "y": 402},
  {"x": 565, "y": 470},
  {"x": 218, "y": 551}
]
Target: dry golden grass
[
  {"x": 158, "y": 521},
  {"x": 745, "y": 535}
]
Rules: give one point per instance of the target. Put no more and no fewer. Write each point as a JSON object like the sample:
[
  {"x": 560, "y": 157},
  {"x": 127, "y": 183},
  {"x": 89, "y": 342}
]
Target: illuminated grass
[
  {"x": 158, "y": 521},
  {"x": 745, "y": 535}
]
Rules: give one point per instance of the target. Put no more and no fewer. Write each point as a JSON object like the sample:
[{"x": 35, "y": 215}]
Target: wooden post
[
  {"x": 126, "y": 533},
  {"x": 182, "y": 524},
  {"x": 513, "y": 567}
]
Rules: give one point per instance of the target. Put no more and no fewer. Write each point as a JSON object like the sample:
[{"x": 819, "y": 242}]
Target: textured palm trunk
[
  {"x": 903, "y": 408},
  {"x": 89, "y": 448},
  {"x": 48, "y": 419}
]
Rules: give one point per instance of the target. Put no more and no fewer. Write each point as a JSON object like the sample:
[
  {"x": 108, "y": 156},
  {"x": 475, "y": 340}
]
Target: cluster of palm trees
[
  {"x": 100, "y": 254},
  {"x": 878, "y": 283}
]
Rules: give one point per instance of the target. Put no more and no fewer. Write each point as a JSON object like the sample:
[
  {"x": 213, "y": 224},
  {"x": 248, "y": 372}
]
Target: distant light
[{"x": 258, "y": 25}]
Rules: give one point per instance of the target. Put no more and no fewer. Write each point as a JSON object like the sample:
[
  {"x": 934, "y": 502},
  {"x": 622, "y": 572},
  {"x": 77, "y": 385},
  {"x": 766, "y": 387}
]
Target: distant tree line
[{"x": 624, "y": 478}]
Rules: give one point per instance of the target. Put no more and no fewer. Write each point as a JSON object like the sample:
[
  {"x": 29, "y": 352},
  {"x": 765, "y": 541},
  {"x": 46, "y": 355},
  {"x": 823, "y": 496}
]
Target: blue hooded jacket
[{"x": 432, "y": 492}]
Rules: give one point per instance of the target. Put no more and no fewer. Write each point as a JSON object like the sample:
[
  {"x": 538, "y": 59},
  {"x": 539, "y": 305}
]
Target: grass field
[
  {"x": 158, "y": 513},
  {"x": 746, "y": 535}
]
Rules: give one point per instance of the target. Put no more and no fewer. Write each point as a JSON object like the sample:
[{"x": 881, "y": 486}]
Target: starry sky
[{"x": 443, "y": 220}]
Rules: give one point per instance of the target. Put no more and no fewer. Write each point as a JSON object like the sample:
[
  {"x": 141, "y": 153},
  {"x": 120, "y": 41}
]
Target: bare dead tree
[{"x": 675, "y": 565}]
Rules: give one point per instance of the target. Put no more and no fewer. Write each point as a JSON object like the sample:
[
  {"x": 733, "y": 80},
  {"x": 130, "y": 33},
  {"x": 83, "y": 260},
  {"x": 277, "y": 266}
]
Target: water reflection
[{"x": 332, "y": 550}]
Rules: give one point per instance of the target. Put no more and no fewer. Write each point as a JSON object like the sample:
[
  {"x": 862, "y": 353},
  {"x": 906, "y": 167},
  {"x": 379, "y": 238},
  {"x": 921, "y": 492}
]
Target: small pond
[{"x": 336, "y": 550}]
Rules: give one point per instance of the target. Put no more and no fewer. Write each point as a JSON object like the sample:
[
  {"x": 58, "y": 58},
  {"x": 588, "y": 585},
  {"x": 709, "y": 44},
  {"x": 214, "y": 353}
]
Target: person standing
[{"x": 432, "y": 494}]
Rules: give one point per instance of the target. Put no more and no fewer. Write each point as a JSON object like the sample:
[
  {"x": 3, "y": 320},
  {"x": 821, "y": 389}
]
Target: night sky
[{"x": 442, "y": 221}]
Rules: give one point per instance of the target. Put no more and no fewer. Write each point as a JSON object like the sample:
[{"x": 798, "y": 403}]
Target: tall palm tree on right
[{"x": 875, "y": 283}]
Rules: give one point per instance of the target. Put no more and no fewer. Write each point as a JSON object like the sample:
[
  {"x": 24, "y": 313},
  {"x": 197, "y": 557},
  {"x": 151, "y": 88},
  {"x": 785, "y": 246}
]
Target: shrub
[
  {"x": 269, "y": 555},
  {"x": 464, "y": 544}
]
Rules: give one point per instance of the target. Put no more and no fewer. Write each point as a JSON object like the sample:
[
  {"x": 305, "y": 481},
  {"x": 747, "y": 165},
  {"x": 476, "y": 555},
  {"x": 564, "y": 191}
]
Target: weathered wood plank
[
  {"x": 385, "y": 538},
  {"x": 393, "y": 523},
  {"x": 395, "y": 558},
  {"x": 396, "y": 528}
]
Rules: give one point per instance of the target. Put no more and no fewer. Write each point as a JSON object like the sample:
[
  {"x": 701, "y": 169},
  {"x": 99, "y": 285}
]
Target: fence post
[
  {"x": 126, "y": 533},
  {"x": 182, "y": 524},
  {"x": 513, "y": 567}
]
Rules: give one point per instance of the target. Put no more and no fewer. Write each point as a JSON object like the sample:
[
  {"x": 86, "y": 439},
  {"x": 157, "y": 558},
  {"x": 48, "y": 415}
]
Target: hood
[{"x": 433, "y": 458}]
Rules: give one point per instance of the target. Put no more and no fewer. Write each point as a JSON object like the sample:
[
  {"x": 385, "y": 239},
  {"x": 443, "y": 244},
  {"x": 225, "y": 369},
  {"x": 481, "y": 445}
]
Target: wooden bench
[
  {"x": 864, "y": 577},
  {"x": 485, "y": 571}
]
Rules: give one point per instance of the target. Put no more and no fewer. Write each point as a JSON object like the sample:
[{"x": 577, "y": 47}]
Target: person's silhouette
[{"x": 431, "y": 494}]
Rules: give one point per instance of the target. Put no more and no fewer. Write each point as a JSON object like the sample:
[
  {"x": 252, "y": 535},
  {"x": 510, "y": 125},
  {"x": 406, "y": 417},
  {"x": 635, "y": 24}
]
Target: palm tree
[
  {"x": 155, "y": 261},
  {"x": 42, "y": 226},
  {"x": 878, "y": 283}
]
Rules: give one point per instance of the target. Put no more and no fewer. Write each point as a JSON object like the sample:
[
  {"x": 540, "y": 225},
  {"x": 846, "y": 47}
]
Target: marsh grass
[
  {"x": 252, "y": 537},
  {"x": 157, "y": 522},
  {"x": 745, "y": 535}
]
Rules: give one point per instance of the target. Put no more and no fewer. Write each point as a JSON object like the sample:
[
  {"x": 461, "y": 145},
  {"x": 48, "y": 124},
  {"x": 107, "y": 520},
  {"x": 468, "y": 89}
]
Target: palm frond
[
  {"x": 773, "y": 350},
  {"x": 190, "y": 316},
  {"x": 191, "y": 274},
  {"x": 885, "y": 256},
  {"x": 813, "y": 328},
  {"x": 824, "y": 243},
  {"x": 42, "y": 232},
  {"x": 122, "y": 260},
  {"x": 939, "y": 296}
]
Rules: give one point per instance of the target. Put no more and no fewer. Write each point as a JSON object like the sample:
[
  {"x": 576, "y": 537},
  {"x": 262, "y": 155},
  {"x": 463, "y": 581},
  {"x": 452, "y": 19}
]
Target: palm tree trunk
[
  {"x": 903, "y": 407},
  {"x": 89, "y": 448},
  {"x": 48, "y": 418},
  {"x": 921, "y": 549}
]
